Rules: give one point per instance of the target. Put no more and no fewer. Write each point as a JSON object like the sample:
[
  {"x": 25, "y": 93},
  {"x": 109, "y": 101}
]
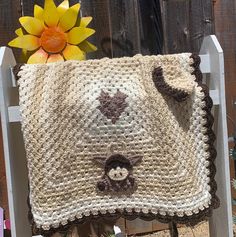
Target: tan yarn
[{"x": 64, "y": 130}]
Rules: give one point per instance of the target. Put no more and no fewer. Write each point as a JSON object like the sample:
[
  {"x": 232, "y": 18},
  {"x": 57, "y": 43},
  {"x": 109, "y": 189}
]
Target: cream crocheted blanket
[{"x": 117, "y": 137}]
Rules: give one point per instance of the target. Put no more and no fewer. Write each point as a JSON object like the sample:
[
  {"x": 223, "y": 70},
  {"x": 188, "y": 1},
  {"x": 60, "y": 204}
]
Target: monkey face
[{"x": 118, "y": 173}]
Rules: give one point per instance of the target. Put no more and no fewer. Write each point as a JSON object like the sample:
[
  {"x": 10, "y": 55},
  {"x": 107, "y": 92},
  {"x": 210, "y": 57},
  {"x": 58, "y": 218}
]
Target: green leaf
[{"x": 234, "y": 202}]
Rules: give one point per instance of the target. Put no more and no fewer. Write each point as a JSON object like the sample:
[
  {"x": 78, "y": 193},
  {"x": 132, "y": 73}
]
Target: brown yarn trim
[
  {"x": 215, "y": 202},
  {"x": 193, "y": 219},
  {"x": 164, "y": 88},
  {"x": 196, "y": 66},
  {"x": 17, "y": 69}
]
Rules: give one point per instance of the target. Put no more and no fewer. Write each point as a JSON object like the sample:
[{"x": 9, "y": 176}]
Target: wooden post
[
  {"x": 221, "y": 221},
  {"x": 14, "y": 153}
]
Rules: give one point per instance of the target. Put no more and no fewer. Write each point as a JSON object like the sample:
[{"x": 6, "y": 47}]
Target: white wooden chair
[{"x": 213, "y": 68}]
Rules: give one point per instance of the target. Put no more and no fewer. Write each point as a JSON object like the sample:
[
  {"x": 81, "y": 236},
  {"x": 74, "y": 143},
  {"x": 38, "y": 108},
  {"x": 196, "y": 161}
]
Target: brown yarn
[
  {"x": 112, "y": 107},
  {"x": 210, "y": 120},
  {"x": 16, "y": 70},
  {"x": 164, "y": 88}
]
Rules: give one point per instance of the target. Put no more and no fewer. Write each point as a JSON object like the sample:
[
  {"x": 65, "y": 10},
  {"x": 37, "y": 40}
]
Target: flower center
[{"x": 53, "y": 40}]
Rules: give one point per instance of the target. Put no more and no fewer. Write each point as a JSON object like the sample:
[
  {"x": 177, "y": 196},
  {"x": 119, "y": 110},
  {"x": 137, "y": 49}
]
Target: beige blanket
[{"x": 117, "y": 137}]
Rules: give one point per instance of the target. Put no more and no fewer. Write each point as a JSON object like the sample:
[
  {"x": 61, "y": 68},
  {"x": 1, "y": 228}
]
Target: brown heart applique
[{"x": 112, "y": 106}]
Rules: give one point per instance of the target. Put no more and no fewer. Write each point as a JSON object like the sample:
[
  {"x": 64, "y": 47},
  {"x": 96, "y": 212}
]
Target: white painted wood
[
  {"x": 14, "y": 114},
  {"x": 212, "y": 64},
  {"x": 214, "y": 94},
  {"x": 205, "y": 63},
  {"x": 221, "y": 221},
  {"x": 15, "y": 161},
  {"x": 13, "y": 77}
]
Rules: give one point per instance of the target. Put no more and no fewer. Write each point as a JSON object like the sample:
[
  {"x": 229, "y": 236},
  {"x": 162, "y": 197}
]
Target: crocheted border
[
  {"x": 193, "y": 219},
  {"x": 164, "y": 88},
  {"x": 16, "y": 70}
]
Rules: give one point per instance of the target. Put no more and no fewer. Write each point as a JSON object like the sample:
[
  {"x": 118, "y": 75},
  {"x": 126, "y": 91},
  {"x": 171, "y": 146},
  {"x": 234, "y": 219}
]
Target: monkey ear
[
  {"x": 135, "y": 159},
  {"x": 100, "y": 159}
]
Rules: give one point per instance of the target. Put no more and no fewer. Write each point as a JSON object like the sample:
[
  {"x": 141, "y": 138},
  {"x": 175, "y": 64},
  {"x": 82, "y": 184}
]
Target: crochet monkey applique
[{"x": 118, "y": 173}]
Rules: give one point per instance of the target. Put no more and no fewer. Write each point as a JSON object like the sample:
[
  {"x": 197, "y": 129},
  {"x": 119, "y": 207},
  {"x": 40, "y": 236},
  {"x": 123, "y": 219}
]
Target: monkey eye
[
  {"x": 121, "y": 165},
  {"x": 114, "y": 166}
]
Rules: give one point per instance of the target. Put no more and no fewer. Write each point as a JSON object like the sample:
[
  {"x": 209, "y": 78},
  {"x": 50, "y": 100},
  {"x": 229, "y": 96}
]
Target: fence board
[
  {"x": 123, "y": 26},
  {"x": 10, "y": 11},
  {"x": 151, "y": 27},
  {"x": 100, "y": 11},
  {"x": 28, "y": 5},
  {"x": 186, "y": 23},
  {"x": 177, "y": 22},
  {"x": 201, "y": 22}
]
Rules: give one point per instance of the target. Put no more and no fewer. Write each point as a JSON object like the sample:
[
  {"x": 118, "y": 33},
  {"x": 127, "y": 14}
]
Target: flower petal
[
  {"x": 69, "y": 18},
  {"x": 55, "y": 58},
  {"x": 38, "y": 12},
  {"x": 84, "y": 21},
  {"x": 19, "y": 32},
  {"x": 72, "y": 52},
  {"x": 32, "y": 25},
  {"x": 28, "y": 42},
  {"x": 79, "y": 34},
  {"x": 87, "y": 47},
  {"x": 51, "y": 16},
  {"x": 63, "y": 7},
  {"x": 39, "y": 56}
]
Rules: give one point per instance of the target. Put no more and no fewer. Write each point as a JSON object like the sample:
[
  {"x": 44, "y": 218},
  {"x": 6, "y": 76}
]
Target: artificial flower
[{"x": 54, "y": 33}]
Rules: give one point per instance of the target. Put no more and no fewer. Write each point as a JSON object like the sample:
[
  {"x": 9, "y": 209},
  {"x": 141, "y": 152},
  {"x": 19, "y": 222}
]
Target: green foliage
[
  {"x": 234, "y": 202},
  {"x": 234, "y": 154},
  {"x": 234, "y": 219},
  {"x": 233, "y": 183}
]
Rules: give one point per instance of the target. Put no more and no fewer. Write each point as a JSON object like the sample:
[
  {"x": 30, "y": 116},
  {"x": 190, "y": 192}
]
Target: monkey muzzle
[{"x": 118, "y": 174}]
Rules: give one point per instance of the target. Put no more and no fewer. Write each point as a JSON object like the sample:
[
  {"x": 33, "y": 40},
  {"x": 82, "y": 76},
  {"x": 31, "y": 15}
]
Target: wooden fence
[{"x": 125, "y": 28}]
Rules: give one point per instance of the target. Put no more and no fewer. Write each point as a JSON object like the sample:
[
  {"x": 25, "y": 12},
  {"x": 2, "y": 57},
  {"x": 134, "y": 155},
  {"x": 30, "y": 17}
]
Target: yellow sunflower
[{"x": 55, "y": 33}]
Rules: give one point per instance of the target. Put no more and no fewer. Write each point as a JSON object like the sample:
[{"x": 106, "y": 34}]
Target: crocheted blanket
[{"x": 117, "y": 137}]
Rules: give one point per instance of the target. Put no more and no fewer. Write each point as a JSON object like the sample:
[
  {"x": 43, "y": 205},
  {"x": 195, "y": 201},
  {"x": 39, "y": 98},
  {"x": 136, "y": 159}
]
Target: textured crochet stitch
[{"x": 154, "y": 107}]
